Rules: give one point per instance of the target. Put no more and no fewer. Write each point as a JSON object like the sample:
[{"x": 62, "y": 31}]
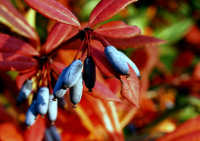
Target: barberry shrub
[{"x": 36, "y": 63}]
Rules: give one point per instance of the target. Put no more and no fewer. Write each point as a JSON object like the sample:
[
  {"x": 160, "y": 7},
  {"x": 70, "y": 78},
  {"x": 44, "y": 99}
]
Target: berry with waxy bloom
[
  {"x": 60, "y": 89},
  {"x": 42, "y": 100},
  {"x": 73, "y": 73},
  {"x": 31, "y": 114},
  {"x": 25, "y": 91},
  {"x": 76, "y": 91},
  {"x": 130, "y": 63},
  {"x": 116, "y": 60},
  {"x": 51, "y": 134},
  {"x": 52, "y": 108}
]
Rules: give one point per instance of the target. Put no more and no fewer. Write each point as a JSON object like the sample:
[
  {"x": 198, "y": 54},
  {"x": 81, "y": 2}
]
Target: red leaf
[
  {"x": 112, "y": 112},
  {"x": 184, "y": 59},
  {"x": 20, "y": 79},
  {"x": 192, "y": 35},
  {"x": 16, "y": 22},
  {"x": 194, "y": 136},
  {"x": 36, "y": 131},
  {"x": 99, "y": 57},
  {"x": 135, "y": 42},
  {"x": 54, "y": 10},
  {"x": 130, "y": 87},
  {"x": 102, "y": 113},
  {"x": 9, "y": 132},
  {"x": 73, "y": 45},
  {"x": 15, "y": 57},
  {"x": 114, "y": 85},
  {"x": 100, "y": 91},
  {"x": 145, "y": 59},
  {"x": 107, "y": 9},
  {"x": 58, "y": 66},
  {"x": 187, "y": 128},
  {"x": 72, "y": 125},
  {"x": 118, "y": 29},
  {"x": 12, "y": 45},
  {"x": 196, "y": 74},
  {"x": 57, "y": 35},
  {"x": 16, "y": 65},
  {"x": 5, "y": 116}
]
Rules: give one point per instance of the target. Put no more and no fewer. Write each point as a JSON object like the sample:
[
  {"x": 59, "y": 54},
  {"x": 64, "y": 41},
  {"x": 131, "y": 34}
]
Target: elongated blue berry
[
  {"x": 59, "y": 89},
  {"x": 25, "y": 91},
  {"x": 55, "y": 133},
  {"x": 47, "y": 135},
  {"x": 76, "y": 92},
  {"x": 52, "y": 109},
  {"x": 61, "y": 102},
  {"x": 73, "y": 73},
  {"x": 42, "y": 100},
  {"x": 31, "y": 114},
  {"x": 116, "y": 60},
  {"x": 130, "y": 63},
  {"x": 89, "y": 73}
]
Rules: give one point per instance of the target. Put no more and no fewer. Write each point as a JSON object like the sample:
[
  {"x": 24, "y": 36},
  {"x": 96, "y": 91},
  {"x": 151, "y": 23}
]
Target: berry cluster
[
  {"x": 37, "y": 68},
  {"x": 72, "y": 76}
]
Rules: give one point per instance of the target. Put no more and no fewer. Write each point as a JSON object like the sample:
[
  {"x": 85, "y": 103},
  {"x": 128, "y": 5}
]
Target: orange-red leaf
[
  {"x": 130, "y": 87},
  {"x": 72, "y": 128},
  {"x": 135, "y": 42},
  {"x": 118, "y": 29},
  {"x": 114, "y": 85},
  {"x": 9, "y": 132},
  {"x": 54, "y": 10},
  {"x": 15, "y": 57},
  {"x": 16, "y": 22},
  {"x": 112, "y": 112},
  {"x": 57, "y": 35},
  {"x": 102, "y": 113},
  {"x": 100, "y": 91},
  {"x": 20, "y": 79},
  {"x": 36, "y": 131},
  {"x": 196, "y": 74},
  {"x": 5, "y": 116},
  {"x": 12, "y": 45},
  {"x": 106, "y": 9},
  {"x": 58, "y": 66},
  {"x": 184, "y": 59},
  {"x": 16, "y": 65},
  {"x": 194, "y": 136},
  {"x": 188, "y": 128},
  {"x": 99, "y": 57}
]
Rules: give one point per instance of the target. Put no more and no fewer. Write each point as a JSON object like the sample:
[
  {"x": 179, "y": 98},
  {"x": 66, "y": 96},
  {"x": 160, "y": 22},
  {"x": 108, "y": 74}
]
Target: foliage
[{"x": 39, "y": 43}]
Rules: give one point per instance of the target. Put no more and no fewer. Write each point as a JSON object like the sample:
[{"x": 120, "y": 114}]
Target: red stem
[
  {"x": 43, "y": 78},
  {"x": 83, "y": 54},
  {"x": 49, "y": 78},
  {"x": 82, "y": 46},
  {"x": 89, "y": 47},
  {"x": 27, "y": 71},
  {"x": 100, "y": 38}
]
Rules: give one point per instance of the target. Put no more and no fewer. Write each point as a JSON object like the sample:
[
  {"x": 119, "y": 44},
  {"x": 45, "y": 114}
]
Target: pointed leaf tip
[
  {"x": 106, "y": 9},
  {"x": 118, "y": 29},
  {"x": 130, "y": 87},
  {"x": 54, "y": 10}
]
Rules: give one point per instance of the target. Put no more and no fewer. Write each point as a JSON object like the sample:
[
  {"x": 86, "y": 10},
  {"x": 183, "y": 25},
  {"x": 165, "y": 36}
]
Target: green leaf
[{"x": 174, "y": 32}]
